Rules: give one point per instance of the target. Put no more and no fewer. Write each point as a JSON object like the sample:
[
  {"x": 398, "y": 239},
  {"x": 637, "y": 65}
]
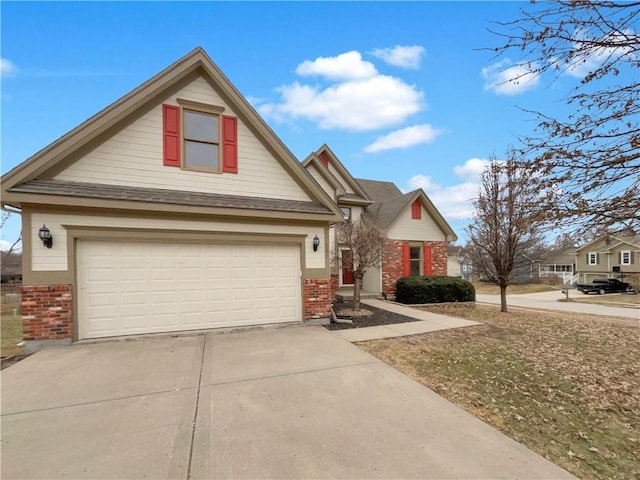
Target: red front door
[{"x": 347, "y": 268}]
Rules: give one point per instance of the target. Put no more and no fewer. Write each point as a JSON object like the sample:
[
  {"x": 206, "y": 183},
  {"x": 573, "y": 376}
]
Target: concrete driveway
[
  {"x": 285, "y": 403},
  {"x": 549, "y": 301}
]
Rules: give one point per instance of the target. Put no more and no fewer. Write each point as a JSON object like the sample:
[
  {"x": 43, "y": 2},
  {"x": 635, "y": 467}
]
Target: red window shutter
[
  {"x": 229, "y": 144},
  {"x": 171, "y": 135},
  {"x": 427, "y": 260},
  {"x": 406, "y": 255},
  {"x": 324, "y": 159},
  {"x": 416, "y": 210}
]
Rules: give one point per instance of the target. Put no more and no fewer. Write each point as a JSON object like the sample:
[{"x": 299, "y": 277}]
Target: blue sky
[{"x": 400, "y": 91}]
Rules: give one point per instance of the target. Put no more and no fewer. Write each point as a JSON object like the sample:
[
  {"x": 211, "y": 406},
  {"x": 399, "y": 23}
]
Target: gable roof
[
  {"x": 631, "y": 240},
  {"x": 390, "y": 202},
  {"x": 45, "y": 163},
  {"x": 359, "y": 196}
]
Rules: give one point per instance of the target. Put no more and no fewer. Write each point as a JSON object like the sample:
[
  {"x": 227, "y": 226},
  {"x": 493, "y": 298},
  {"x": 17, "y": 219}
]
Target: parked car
[{"x": 604, "y": 285}]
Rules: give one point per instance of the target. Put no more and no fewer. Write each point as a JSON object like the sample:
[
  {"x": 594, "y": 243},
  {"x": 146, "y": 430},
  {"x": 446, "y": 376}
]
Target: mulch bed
[
  {"x": 377, "y": 317},
  {"x": 8, "y": 361}
]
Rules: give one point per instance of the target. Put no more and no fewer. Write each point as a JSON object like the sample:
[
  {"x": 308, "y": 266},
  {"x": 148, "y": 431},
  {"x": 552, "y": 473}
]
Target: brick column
[
  {"x": 334, "y": 283},
  {"x": 392, "y": 266},
  {"x": 46, "y": 312},
  {"x": 438, "y": 257},
  {"x": 317, "y": 298}
]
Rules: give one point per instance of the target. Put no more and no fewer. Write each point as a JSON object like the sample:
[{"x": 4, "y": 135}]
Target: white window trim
[
  {"x": 622, "y": 253},
  {"x": 595, "y": 258}
]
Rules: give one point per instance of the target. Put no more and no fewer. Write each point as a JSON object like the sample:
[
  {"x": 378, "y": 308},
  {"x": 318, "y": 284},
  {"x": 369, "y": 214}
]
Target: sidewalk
[
  {"x": 549, "y": 301},
  {"x": 428, "y": 322}
]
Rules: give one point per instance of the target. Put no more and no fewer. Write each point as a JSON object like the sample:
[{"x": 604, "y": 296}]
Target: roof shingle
[{"x": 166, "y": 196}]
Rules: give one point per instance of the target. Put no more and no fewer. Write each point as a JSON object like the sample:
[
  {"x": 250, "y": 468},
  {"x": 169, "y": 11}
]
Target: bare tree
[
  {"x": 591, "y": 155},
  {"x": 505, "y": 224},
  {"x": 3, "y": 220},
  {"x": 366, "y": 243}
]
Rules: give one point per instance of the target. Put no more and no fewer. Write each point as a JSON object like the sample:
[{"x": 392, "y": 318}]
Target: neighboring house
[
  {"x": 466, "y": 268},
  {"x": 459, "y": 263},
  {"x": 417, "y": 233},
  {"x": 559, "y": 266},
  {"x": 174, "y": 208},
  {"x": 454, "y": 266},
  {"x": 610, "y": 257},
  {"x": 525, "y": 270}
]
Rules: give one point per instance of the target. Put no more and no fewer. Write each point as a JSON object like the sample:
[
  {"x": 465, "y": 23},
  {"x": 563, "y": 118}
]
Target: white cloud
[
  {"x": 424, "y": 182},
  {"x": 356, "y": 105},
  {"x": 401, "y": 56},
  {"x": 589, "y": 58},
  {"x": 346, "y": 66},
  {"x": 404, "y": 138},
  {"x": 471, "y": 169},
  {"x": 505, "y": 78},
  {"x": 454, "y": 202},
  {"x": 7, "y": 67},
  {"x": 5, "y": 246}
]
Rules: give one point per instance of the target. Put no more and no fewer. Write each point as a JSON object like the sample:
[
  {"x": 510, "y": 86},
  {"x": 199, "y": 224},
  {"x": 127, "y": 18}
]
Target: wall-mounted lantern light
[
  {"x": 316, "y": 243},
  {"x": 45, "y": 236}
]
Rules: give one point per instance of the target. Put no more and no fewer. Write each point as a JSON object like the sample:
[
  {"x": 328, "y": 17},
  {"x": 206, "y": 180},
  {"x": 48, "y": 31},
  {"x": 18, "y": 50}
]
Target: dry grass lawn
[
  {"x": 11, "y": 326},
  {"x": 491, "y": 289},
  {"x": 564, "y": 385},
  {"x": 614, "y": 299}
]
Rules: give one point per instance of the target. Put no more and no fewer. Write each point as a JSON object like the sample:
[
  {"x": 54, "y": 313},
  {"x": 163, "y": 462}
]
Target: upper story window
[
  {"x": 625, "y": 257},
  {"x": 201, "y": 140},
  {"x": 197, "y": 136},
  {"x": 346, "y": 211},
  {"x": 592, "y": 258}
]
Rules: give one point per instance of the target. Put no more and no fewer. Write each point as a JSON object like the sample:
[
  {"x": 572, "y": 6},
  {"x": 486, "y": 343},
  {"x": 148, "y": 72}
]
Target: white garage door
[{"x": 130, "y": 288}]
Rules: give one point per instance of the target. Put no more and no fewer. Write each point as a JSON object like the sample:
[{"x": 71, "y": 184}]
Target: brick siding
[
  {"x": 317, "y": 298},
  {"x": 391, "y": 266},
  {"x": 46, "y": 312},
  {"x": 438, "y": 257},
  {"x": 334, "y": 283}
]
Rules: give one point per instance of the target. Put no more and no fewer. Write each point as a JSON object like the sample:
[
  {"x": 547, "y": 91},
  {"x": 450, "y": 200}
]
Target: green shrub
[{"x": 434, "y": 289}]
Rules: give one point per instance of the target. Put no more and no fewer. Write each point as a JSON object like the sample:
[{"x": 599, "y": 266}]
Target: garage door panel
[{"x": 135, "y": 287}]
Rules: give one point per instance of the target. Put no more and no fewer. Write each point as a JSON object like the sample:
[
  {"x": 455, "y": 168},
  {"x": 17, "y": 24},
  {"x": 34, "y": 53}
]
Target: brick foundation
[
  {"x": 46, "y": 312},
  {"x": 317, "y": 298}
]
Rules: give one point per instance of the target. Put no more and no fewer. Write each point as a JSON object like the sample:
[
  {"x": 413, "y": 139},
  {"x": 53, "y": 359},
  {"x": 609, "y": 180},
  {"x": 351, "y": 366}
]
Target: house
[
  {"x": 610, "y": 256},
  {"x": 454, "y": 266},
  {"x": 175, "y": 208},
  {"x": 558, "y": 266},
  {"x": 417, "y": 233},
  {"x": 459, "y": 263}
]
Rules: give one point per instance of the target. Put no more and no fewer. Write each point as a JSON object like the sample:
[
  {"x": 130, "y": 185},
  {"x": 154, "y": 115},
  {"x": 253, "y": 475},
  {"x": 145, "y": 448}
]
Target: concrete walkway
[
  {"x": 549, "y": 301},
  {"x": 428, "y": 322},
  {"x": 284, "y": 403}
]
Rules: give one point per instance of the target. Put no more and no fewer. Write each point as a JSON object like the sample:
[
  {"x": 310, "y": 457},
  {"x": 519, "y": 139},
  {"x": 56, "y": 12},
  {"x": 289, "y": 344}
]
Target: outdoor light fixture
[
  {"x": 45, "y": 236},
  {"x": 316, "y": 243}
]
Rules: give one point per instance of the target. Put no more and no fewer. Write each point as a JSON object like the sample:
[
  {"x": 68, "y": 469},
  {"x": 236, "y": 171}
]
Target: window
[
  {"x": 415, "y": 261},
  {"x": 347, "y": 213},
  {"x": 625, "y": 257},
  {"x": 197, "y": 136},
  {"x": 201, "y": 140},
  {"x": 592, "y": 258}
]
